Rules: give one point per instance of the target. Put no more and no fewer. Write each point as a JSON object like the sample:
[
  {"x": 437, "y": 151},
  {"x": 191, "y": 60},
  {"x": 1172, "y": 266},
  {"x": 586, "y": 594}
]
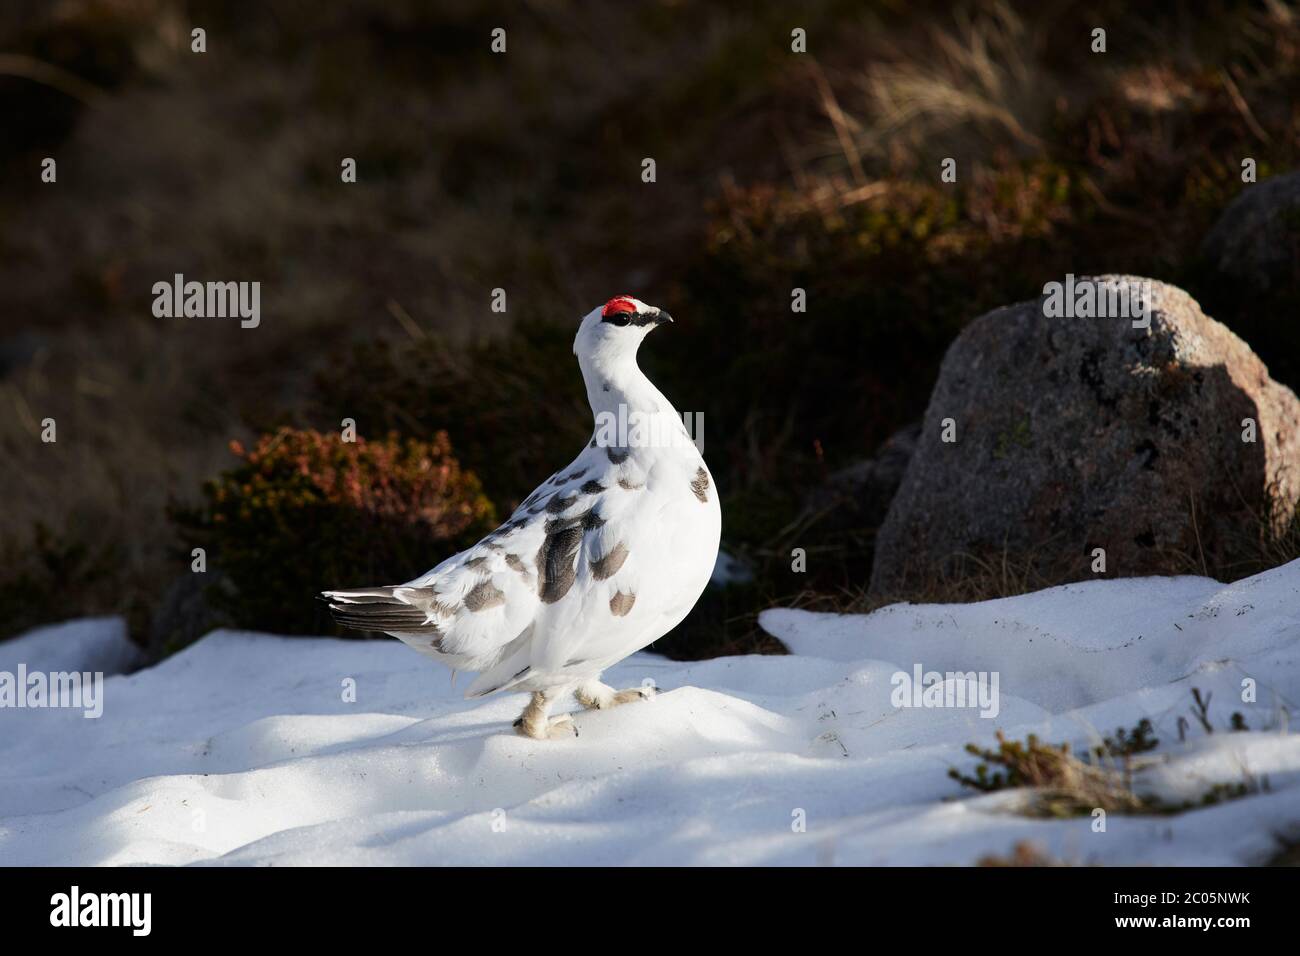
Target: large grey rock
[
  {"x": 1256, "y": 241},
  {"x": 1079, "y": 433}
]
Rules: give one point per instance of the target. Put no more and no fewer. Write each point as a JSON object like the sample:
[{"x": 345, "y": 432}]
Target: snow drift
[{"x": 249, "y": 749}]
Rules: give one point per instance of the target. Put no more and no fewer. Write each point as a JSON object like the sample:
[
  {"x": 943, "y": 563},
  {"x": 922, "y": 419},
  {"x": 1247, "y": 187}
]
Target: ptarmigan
[{"x": 609, "y": 554}]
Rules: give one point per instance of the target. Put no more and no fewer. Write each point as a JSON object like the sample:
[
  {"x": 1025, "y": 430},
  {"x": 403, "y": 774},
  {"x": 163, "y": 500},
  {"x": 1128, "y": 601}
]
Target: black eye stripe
[{"x": 629, "y": 318}]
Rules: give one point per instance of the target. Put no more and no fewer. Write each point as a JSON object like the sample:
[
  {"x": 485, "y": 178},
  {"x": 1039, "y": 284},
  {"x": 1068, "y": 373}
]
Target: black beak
[{"x": 662, "y": 317}]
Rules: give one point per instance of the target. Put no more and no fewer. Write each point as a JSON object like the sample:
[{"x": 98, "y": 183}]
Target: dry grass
[
  {"x": 990, "y": 80},
  {"x": 1024, "y": 853},
  {"x": 1271, "y": 540},
  {"x": 474, "y": 174},
  {"x": 964, "y": 579},
  {"x": 1058, "y": 783},
  {"x": 978, "y": 83},
  {"x": 130, "y": 434}
]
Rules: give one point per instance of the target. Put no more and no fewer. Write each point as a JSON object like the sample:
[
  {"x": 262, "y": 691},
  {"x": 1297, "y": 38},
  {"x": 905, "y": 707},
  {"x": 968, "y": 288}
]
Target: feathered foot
[
  {"x": 535, "y": 723},
  {"x": 597, "y": 696}
]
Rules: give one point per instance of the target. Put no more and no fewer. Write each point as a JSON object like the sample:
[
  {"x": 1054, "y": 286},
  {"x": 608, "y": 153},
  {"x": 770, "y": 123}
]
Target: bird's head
[{"x": 615, "y": 330}]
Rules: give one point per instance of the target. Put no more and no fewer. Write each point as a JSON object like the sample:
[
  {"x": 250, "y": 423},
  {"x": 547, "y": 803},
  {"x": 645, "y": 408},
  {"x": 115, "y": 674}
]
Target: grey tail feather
[
  {"x": 375, "y": 609},
  {"x": 358, "y": 595}
]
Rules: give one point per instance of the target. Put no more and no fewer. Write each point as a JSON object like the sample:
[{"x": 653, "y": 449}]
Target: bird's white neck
[{"x": 617, "y": 386}]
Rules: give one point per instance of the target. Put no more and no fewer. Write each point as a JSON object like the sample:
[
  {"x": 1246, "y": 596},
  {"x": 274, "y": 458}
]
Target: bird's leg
[
  {"x": 535, "y": 723},
  {"x": 597, "y": 696}
]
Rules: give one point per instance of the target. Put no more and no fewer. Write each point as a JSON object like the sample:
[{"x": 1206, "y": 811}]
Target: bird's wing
[
  {"x": 475, "y": 607},
  {"x": 606, "y": 528}
]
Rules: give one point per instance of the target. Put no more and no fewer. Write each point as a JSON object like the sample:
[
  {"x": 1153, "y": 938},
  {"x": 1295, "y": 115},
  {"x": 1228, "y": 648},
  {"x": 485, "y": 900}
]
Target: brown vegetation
[{"x": 522, "y": 172}]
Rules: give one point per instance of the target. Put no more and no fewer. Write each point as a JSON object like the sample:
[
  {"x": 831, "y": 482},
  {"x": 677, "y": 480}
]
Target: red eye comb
[{"x": 620, "y": 303}]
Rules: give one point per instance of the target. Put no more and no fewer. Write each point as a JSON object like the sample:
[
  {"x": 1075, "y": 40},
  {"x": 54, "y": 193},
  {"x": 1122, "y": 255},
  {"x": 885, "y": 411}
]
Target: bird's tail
[{"x": 376, "y": 609}]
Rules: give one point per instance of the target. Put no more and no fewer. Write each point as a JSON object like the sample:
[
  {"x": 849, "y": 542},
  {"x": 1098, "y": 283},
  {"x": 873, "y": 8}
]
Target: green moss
[{"x": 1018, "y": 436}]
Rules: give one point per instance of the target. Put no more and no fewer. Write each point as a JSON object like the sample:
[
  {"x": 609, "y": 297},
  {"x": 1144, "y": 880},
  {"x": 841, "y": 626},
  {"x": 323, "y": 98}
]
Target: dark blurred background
[{"x": 522, "y": 171}]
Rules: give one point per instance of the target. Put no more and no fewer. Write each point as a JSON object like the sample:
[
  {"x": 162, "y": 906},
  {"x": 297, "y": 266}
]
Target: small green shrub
[
  {"x": 1030, "y": 764},
  {"x": 305, "y": 511},
  {"x": 1128, "y": 743},
  {"x": 1062, "y": 785}
]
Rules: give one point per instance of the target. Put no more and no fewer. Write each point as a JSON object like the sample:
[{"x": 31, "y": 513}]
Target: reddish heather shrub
[{"x": 305, "y": 511}]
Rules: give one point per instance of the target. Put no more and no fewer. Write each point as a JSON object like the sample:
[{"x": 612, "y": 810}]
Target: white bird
[{"x": 606, "y": 556}]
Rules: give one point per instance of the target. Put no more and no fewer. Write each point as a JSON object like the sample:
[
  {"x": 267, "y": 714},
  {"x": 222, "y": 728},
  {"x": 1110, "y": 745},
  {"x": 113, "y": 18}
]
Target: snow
[
  {"x": 244, "y": 748},
  {"x": 90, "y": 644}
]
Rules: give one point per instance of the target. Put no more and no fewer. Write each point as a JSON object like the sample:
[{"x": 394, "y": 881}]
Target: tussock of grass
[
  {"x": 981, "y": 84},
  {"x": 1060, "y": 784}
]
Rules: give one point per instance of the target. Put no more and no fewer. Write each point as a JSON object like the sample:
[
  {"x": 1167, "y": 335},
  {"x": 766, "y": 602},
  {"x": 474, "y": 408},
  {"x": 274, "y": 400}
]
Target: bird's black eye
[{"x": 618, "y": 318}]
